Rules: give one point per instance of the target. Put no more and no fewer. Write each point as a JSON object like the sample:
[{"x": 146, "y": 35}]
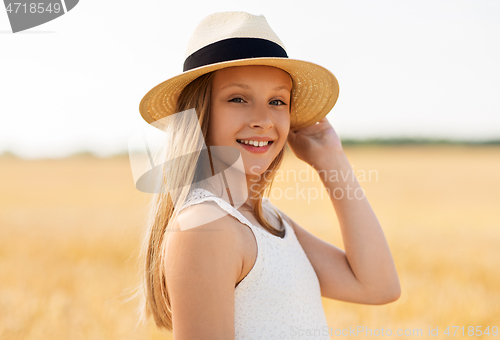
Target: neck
[
  {"x": 251, "y": 183},
  {"x": 240, "y": 183}
]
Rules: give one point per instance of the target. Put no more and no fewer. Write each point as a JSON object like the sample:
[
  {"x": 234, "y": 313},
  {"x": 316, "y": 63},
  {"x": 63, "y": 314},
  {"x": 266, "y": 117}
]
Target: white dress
[{"x": 280, "y": 297}]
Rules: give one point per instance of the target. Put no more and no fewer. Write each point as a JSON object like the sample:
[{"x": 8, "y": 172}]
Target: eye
[
  {"x": 277, "y": 102},
  {"x": 237, "y": 100}
]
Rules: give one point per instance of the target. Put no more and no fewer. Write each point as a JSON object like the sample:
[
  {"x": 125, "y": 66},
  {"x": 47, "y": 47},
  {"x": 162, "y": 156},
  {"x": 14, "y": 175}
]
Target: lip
[
  {"x": 257, "y": 138},
  {"x": 255, "y": 149}
]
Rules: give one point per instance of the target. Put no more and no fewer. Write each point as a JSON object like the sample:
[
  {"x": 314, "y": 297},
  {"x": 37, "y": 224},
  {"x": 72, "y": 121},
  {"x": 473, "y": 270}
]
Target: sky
[{"x": 424, "y": 68}]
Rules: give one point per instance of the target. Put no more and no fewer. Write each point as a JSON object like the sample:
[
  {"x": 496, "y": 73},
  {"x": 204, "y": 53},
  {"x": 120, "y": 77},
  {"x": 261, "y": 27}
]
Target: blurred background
[{"x": 418, "y": 107}]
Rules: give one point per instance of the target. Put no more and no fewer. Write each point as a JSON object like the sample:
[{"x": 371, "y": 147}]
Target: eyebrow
[
  {"x": 244, "y": 86},
  {"x": 284, "y": 87},
  {"x": 236, "y": 84}
]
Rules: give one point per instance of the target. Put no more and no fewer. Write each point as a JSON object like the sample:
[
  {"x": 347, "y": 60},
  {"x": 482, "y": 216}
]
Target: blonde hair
[{"x": 152, "y": 291}]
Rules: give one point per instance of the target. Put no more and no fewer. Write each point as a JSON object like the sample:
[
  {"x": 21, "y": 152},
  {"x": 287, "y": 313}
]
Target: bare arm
[
  {"x": 365, "y": 272},
  {"x": 367, "y": 254},
  {"x": 202, "y": 267}
]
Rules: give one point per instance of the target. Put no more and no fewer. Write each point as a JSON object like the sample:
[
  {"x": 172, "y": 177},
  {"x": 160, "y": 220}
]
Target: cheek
[
  {"x": 284, "y": 127},
  {"x": 220, "y": 126}
]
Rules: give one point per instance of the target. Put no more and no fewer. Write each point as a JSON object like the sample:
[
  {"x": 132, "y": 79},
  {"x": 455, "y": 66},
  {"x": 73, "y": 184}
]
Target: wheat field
[{"x": 70, "y": 231}]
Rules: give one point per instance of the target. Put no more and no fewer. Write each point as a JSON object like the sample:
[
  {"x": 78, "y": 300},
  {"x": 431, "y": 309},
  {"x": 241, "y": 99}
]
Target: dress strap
[{"x": 199, "y": 195}]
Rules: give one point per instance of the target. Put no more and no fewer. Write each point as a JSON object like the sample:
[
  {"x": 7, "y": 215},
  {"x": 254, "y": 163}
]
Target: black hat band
[{"x": 233, "y": 49}]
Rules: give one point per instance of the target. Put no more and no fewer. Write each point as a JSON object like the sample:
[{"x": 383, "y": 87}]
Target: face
[{"x": 251, "y": 105}]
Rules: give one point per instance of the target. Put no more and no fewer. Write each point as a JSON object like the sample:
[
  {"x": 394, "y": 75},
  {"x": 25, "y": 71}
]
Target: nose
[{"x": 260, "y": 117}]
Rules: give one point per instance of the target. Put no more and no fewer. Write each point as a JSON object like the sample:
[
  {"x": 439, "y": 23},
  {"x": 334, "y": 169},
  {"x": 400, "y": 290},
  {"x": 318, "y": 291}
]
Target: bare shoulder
[{"x": 203, "y": 264}]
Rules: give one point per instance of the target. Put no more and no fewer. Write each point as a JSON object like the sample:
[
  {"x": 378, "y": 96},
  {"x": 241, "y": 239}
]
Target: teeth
[{"x": 254, "y": 143}]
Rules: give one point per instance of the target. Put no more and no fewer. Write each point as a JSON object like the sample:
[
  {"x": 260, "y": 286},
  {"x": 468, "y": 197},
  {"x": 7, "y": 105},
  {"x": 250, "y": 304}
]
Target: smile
[
  {"x": 254, "y": 143},
  {"x": 255, "y": 146}
]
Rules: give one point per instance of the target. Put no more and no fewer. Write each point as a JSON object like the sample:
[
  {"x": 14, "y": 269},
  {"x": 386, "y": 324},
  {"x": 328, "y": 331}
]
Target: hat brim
[{"x": 315, "y": 90}]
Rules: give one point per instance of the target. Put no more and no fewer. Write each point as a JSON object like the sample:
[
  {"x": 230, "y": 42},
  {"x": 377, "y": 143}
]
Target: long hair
[{"x": 152, "y": 291}]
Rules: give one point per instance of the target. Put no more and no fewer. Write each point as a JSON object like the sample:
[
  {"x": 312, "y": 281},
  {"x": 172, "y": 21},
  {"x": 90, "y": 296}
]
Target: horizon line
[{"x": 349, "y": 142}]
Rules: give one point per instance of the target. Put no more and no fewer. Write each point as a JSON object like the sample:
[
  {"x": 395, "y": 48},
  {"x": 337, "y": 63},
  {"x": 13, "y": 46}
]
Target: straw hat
[{"x": 238, "y": 39}]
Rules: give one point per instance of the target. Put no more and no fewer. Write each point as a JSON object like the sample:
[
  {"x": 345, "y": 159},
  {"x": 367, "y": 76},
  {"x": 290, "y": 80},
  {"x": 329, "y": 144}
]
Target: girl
[{"x": 220, "y": 261}]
